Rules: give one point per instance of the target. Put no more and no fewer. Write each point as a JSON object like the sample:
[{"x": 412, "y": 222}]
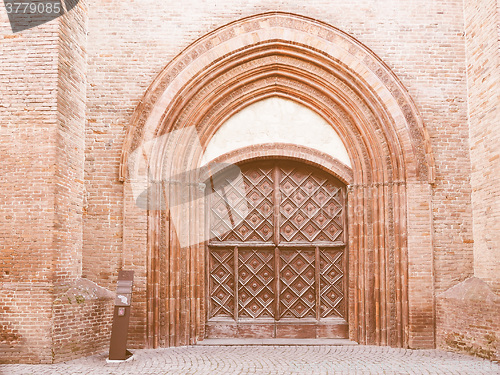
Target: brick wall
[
  {"x": 468, "y": 319},
  {"x": 28, "y": 120},
  {"x": 128, "y": 46},
  {"x": 42, "y": 119},
  {"x": 421, "y": 278},
  {"x": 468, "y": 313},
  {"x": 25, "y": 322},
  {"x": 83, "y": 313},
  {"x": 70, "y": 142},
  {"x": 53, "y": 205},
  {"x": 482, "y": 24}
]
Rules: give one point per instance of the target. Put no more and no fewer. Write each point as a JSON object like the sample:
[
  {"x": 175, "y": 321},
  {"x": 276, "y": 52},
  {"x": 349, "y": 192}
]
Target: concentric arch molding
[
  {"x": 293, "y": 41},
  {"x": 389, "y": 191}
]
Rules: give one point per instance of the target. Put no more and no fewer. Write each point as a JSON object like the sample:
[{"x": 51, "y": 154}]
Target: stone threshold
[{"x": 275, "y": 342}]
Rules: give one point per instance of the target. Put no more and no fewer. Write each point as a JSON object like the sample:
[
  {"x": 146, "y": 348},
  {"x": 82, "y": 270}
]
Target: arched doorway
[
  {"x": 278, "y": 269},
  {"x": 390, "y": 286}
]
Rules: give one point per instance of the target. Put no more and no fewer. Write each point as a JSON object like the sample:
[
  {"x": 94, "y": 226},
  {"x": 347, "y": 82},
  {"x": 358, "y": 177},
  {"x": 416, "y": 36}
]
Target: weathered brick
[{"x": 68, "y": 89}]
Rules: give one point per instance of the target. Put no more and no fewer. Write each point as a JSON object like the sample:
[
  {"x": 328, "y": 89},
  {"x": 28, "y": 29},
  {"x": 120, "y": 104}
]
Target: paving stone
[{"x": 269, "y": 360}]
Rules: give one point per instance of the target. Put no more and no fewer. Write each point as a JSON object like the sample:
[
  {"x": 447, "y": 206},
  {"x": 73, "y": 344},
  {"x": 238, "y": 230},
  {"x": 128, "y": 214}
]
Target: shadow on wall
[{"x": 26, "y": 15}]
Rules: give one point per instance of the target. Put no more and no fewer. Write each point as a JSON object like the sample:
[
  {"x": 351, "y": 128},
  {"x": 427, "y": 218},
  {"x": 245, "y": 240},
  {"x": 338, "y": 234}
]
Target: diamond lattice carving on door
[{"x": 279, "y": 269}]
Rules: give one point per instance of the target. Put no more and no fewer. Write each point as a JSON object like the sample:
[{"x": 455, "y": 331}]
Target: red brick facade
[
  {"x": 411, "y": 90},
  {"x": 467, "y": 315}
]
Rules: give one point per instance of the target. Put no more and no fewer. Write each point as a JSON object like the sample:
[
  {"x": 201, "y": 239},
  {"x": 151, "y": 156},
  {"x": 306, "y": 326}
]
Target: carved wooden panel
[
  {"x": 257, "y": 203},
  {"x": 256, "y": 283},
  {"x": 297, "y": 283},
  {"x": 221, "y": 283},
  {"x": 311, "y": 206},
  {"x": 332, "y": 283},
  {"x": 279, "y": 276}
]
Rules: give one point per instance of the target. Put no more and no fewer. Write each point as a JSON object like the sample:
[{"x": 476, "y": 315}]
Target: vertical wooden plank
[
  {"x": 317, "y": 282},
  {"x": 236, "y": 283},
  {"x": 345, "y": 256},
  {"x": 276, "y": 225},
  {"x": 276, "y": 199},
  {"x": 277, "y": 272}
]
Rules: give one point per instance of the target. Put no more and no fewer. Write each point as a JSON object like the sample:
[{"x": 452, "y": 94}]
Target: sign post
[{"x": 118, "y": 345}]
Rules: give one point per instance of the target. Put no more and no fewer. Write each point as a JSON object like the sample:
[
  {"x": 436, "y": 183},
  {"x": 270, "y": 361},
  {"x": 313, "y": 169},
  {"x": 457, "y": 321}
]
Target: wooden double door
[{"x": 277, "y": 265}]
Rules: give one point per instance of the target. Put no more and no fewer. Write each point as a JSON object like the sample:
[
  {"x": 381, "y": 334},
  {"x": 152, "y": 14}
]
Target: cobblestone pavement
[{"x": 271, "y": 360}]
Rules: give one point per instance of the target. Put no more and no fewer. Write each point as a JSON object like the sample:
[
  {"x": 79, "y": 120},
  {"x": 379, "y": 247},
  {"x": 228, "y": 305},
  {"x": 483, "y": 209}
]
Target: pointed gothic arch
[{"x": 321, "y": 67}]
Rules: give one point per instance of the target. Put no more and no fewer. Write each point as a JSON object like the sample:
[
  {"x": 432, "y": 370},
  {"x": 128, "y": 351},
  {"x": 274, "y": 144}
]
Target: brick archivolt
[{"x": 324, "y": 69}]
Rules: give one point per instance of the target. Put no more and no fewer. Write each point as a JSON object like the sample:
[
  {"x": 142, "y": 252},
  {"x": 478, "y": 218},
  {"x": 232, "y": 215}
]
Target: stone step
[{"x": 275, "y": 342}]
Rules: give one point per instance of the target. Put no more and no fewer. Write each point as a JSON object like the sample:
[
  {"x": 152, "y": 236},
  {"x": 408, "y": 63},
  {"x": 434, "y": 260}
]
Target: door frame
[{"x": 334, "y": 327}]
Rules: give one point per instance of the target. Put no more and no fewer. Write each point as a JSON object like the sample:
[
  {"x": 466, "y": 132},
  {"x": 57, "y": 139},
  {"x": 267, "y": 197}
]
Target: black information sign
[{"x": 118, "y": 345}]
